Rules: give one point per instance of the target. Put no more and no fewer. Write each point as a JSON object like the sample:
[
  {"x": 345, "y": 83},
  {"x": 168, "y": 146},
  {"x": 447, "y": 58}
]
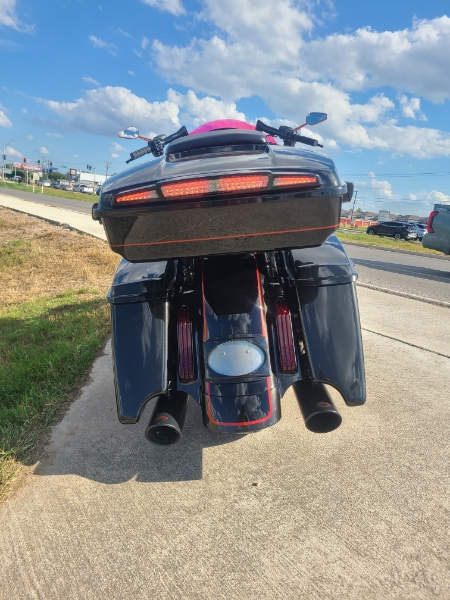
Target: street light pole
[{"x": 4, "y": 157}]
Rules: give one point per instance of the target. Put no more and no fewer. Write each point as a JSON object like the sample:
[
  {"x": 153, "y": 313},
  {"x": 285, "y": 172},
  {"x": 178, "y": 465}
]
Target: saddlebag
[
  {"x": 139, "y": 320},
  {"x": 325, "y": 282}
]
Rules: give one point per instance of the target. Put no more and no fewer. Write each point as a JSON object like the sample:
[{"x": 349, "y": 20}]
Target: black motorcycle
[{"x": 232, "y": 286}]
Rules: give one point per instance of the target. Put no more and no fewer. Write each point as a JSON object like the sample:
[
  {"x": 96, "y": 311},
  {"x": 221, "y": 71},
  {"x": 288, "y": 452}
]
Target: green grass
[
  {"x": 46, "y": 347},
  {"x": 14, "y": 254},
  {"x": 386, "y": 242},
  {"x": 49, "y": 191}
]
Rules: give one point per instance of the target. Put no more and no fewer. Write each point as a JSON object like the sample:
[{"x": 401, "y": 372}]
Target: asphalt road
[{"x": 408, "y": 273}]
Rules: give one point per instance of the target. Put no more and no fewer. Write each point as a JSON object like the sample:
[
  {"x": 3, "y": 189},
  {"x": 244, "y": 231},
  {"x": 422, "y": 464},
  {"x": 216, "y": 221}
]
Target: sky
[{"x": 74, "y": 72}]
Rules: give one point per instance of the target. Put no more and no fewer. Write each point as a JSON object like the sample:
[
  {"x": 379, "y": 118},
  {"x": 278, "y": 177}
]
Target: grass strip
[
  {"x": 385, "y": 242},
  {"x": 46, "y": 347},
  {"x": 48, "y": 191}
]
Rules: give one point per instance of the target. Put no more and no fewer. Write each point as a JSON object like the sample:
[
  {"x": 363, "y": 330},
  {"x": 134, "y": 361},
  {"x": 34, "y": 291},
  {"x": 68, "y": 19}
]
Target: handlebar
[
  {"x": 287, "y": 134},
  {"x": 156, "y": 145}
]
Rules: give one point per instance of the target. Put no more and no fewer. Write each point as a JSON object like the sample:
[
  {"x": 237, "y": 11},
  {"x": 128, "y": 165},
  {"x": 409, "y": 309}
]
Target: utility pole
[
  {"x": 107, "y": 163},
  {"x": 353, "y": 208}
]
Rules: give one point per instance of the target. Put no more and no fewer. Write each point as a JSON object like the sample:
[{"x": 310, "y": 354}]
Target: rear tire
[
  {"x": 397, "y": 236},
  {"x": 371, "y": 232}
]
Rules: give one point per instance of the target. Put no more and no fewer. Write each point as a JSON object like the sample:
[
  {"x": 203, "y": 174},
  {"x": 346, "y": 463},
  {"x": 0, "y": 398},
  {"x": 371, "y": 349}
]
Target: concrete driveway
[{"x": 362, "y": 512}]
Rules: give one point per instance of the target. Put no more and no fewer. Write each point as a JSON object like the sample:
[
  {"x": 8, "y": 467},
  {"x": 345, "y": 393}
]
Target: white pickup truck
[{"x": 438, "y": 228}]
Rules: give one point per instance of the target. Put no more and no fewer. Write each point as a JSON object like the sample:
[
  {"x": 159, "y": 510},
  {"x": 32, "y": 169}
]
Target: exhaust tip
[
  {"x": 166, "y": 425},
  {"x": 323, "y": 422},
  {"x": 163, "y": 435},
  {"x": 319, "y": 412}
]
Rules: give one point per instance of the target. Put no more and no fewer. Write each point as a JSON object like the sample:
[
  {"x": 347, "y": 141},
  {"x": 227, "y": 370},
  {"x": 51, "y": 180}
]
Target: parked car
[
  {"x": 421, "y": 229},
  {"x": 438, "y": 228},
  {"x": 85, "y": 189},
  {"x": 44, "y": 183},
  {"x": 68, "y": 187},
  {"x": 17, "y": 178},
  {"x": 395, "y": 229},
  {"x": 54, "y": 185}
]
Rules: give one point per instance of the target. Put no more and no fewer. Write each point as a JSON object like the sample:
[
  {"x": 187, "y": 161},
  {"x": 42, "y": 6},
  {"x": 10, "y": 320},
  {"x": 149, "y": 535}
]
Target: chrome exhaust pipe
[
  {"x": 166, "y": 425},
  {"x": 316, "y": 405}
]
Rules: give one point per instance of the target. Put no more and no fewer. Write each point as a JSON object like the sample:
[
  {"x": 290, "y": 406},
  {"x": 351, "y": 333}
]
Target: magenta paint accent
[{"x": 227, "y": 124}]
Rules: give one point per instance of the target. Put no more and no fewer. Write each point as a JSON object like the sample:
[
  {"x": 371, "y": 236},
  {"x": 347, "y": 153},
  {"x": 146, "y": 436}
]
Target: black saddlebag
[
  {"x": 325, "y": 282},
  {"x": 139, "y": 319}
]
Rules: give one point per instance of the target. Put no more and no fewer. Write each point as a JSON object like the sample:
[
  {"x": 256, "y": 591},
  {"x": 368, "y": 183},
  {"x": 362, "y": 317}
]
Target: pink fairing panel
[{"x": 228, "y": 124}]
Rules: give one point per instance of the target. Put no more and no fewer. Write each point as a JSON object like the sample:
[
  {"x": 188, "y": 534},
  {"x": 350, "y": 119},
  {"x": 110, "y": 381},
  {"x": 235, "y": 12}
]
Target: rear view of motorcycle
[{"x": 232, "y": 287}]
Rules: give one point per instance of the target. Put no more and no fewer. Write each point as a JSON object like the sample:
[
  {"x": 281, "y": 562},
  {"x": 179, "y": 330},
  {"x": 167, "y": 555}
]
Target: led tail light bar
[
  {"x": 285, "y": 337},
  {"x": 296, "y": 180},
  {"x": 137, "y": 196},
  {"x": 430, "y": 221},
  {"x": 185, "y": 346},
  {"x": 201, "y": 187}
]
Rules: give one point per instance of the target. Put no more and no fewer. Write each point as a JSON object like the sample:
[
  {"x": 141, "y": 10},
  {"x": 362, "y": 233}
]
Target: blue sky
[{"x": 75, "y": 72}]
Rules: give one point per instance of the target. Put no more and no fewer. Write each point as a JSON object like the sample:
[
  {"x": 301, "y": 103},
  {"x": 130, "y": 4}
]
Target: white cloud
[
  {"x": 434, "y": 196},
  {"x": 76, "y": 155},
  {"x": 145, "y": 42},
  {"x": 294, "y": 75},
  {"x": 12, "y": 152},
  {"x": 411, "y": 106},
  {"x": 29, "y": 136},
  {"x": 137, "y": 53},
  {"x": 383, "y": 188},
  {"x": 198, "y": 110},
  {"x": 54, "y": 135},
  {"x": 43, "y": 150},
  {"x": 9, "y": 18},
  {"x": 118, "y": 148},
  {"x": 131, "y": 73},
  {"x": 98, "y": 43},
  {"x": 4, "y": 121},
  {"x": 175, "y": 7},
  {"x": 24, "y": 110},
  {"x": 106, "y": 110},
  {"x": 91, "y": 80},
  {"x": 114, "y": 155}
]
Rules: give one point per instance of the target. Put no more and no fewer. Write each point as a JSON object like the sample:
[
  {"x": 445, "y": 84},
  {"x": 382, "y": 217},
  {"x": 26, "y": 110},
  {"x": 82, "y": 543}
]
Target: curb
[
  {"x": 404, "y": 295},
  {"x": 361, "y": 245}
]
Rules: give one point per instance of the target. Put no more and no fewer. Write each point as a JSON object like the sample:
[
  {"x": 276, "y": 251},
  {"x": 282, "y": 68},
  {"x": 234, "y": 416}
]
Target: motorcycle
[{"x": 232, "y": 287}]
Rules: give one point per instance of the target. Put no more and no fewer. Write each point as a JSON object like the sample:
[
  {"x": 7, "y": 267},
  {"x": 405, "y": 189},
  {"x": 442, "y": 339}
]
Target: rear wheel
[
  {"x": 397, "y": 236},
  {"x": 371, "y": 232}
]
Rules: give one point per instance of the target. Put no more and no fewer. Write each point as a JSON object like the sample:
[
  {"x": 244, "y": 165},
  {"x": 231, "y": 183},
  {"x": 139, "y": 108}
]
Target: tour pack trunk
[{"x": 219, "y": 193}]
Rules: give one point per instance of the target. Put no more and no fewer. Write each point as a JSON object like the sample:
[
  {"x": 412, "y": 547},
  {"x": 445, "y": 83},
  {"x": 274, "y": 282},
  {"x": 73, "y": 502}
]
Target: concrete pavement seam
[
  {"x": 404, "y": 294},
  {"x": 389, "y": 337}
]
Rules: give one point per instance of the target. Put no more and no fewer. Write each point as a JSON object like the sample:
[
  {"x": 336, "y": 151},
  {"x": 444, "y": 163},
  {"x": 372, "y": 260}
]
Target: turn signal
[
  {"x": 185, "y": 349},
  {"x": 137, "y": 196},
  {"x": 285, "y": 337},
  {"x": 295, "y": 180}
]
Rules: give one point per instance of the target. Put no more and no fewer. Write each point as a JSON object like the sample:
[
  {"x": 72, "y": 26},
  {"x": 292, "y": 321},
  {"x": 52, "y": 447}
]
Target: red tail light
[
  {"x": 297, "y": 180},
  {"x": 137, "y": 196},
  {"x": 285, "y": 337},
  {"x": 430, "y": 221},
  {"x": 222, "y": 185},
  {"x": 185, "y": 348}
]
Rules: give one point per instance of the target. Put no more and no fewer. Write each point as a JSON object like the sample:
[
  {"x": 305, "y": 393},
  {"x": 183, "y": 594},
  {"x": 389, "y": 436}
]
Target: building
[{"x": 85, "y": 178}]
